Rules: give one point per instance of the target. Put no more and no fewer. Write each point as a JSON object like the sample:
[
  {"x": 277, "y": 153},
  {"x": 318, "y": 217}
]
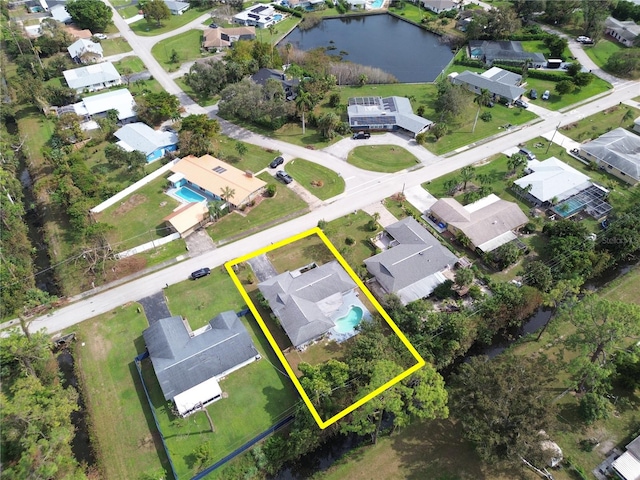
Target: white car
[
  {"x": 546, "y": 94},
  {"x": 100, "y": 36}
]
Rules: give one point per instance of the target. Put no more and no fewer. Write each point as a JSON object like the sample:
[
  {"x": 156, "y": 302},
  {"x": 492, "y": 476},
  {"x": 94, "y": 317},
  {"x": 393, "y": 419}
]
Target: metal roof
[
  {"x": 141, "y": 137},
  {"x": 375, "y": 111},
  {"x": 120, "y": 100},
  {"x": 90, "y": 75},
  {"x": 510, "y": 92},
  {"x": 553, "y": 178}
]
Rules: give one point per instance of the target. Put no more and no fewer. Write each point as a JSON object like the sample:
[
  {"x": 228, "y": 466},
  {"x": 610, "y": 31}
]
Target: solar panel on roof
[
  {"x": 255, "y": 17},
  {"x": 259, "y": 9},
  {"x": 219, "y": 169}
]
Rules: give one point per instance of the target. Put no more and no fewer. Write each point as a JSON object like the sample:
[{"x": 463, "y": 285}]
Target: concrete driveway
[
  {"x": 155, "y": 307},
  {"x": 199, "y": 242},
  {"x": 419, "y": 198},
  {"x": 262, "y": 268}
]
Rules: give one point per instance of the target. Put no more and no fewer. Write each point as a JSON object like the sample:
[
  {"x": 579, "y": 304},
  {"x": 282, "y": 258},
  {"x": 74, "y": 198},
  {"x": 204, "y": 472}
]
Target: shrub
[
  {"x": 334, "y": 100},
  {"x": 350, "y": 241},
  {"x": 594, "y": 407},
  {"x": 530, "y": 227},
  {"x": 271, "y": 189},
  {"x": 486, "y": 117},
  {"x": 443, "y": 290},
  {"x": 322, "y": 224},
  {"x": 372, "y": 226}
]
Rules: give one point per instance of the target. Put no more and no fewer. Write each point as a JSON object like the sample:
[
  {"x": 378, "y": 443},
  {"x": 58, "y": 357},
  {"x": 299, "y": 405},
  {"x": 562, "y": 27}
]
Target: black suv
[
  {"x": 203, "y": 272},
  {"x": 533, "y": 94},
  {"x": 276, "y": 162},
  {"x": 284, "y": 176},
  {"x": 361, "y": 135}
]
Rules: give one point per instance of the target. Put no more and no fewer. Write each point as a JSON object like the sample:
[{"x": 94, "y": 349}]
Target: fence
[
  {"x": 148, "y": 246},
  {"x": 132, "y": 188}
]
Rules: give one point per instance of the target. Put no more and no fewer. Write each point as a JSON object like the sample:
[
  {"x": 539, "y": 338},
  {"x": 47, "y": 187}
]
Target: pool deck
[{"x": 349, "y": 300}]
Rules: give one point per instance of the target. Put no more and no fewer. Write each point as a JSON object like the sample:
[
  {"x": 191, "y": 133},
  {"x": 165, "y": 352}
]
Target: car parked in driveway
[
  {"x": 521, "y": 103},
  {"x": 284, "y": 176},
  {"x": 203, "y": 272},
  {"x": 546, "y": 95},
  {"x": 100, "y": 36},
  {"x": 361, "y": 135},
  {"x": 276, "y": 162}
]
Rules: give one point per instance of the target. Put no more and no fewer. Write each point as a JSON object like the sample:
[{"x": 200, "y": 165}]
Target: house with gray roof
[
  {"x": 177, "y": 8},
  {"x": 413, "y": 265},
  {"x": 439, "y": 6},
  {"x": 92, "y": 77},
  {"x": 499, "y": 82},
  {"x": 618, "y": 151},
  {"x": 624, "y": 32},
  {"x": 306, "y": 301},
  {"x": 153, "y": 143},
  {"x": 390, "y": 113},
  {"x": 490, "y": 51},
  {"x": 85, "y": 51},
  {"x": 188, "y": 365}
]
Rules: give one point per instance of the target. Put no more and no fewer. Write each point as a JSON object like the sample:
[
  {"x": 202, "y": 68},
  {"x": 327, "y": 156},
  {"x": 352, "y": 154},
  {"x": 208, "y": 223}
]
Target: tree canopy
[
  {"x": 156, "y": 11},
  {"x": 92, "y": 14}
]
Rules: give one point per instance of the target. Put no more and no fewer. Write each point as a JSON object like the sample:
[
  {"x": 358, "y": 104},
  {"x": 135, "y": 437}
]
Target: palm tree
[
  {"x": 227, "y": 193},
  {"x": 328, "y": 123},
  {"x": 215, "y": 208},
  {"x": 288, "y": 47},
  {"x": 467, "y": 173},
  {"x": 303, "y": 103},
  {"x": 628, "y": 116},
  {"x": 482, "y": 99}
]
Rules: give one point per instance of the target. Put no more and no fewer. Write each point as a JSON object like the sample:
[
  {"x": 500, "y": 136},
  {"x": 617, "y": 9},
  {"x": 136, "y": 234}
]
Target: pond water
[{"x": 408, "y": 52}]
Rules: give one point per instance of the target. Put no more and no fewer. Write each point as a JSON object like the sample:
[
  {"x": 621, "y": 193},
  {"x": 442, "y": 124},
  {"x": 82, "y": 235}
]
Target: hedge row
[
  {"x": 293, "y": 12},
  {"x": 467, "y": 62},
  {"x": 539, "y": 74}
]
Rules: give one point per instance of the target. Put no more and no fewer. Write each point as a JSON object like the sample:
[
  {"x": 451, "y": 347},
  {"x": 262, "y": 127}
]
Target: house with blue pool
[
  {"x": 153, "y": 143},
  {"x": 209, "y": 178},
  {"x": 315, "y": 302}
]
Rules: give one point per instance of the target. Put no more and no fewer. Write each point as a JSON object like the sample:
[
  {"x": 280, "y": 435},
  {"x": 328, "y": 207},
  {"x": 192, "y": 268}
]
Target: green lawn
[
  {"x": 146, "y": 29},
  {"x": 186, "y": 45},
  {"x": 114, "y": 46},
  {"x": 355, "y": 226},
  {"x": 321, "y": 181},
  {"x": 625, "y": 289},
  {"x": 599, "y": 123},
  {"x": 382, "y": 158},
  {"x": 255, "y": 159},
  {"x": 120, "y": 419},
  {"x": 300, "y": 253},
  {"x": 536, "y": 46},
  {"x": 202, "y": 100},
  {"x": 602, "y": 50},
  {"x": 271, "y": 211},
  {"x": 129, "y": 11},
  {"x": 556, "y": 102},
  {"x": 138, "y": 218},
  {"x": 281, "y": 28},
  {"x": 134, "y": 64},
  {"x": 200, "y": 300}
]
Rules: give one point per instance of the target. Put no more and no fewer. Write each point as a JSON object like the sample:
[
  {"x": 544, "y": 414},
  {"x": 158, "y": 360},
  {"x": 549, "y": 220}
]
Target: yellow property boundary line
[{"x": 316, "y": 231}]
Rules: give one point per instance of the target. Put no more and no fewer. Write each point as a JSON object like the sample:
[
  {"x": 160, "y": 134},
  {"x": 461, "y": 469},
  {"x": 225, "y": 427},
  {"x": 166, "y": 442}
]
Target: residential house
[
  {"x": 97, "y": 106},
  {"x": 553, "y": 183},
  {"x": 60, "y": 14},
  {"x": 212, "y": 177},
  {"x": 306, "y": 303},
  {"x": 85, "y": 51},
  {"x": 390, "y": 113},
  {"x": 439, "y": 6},
  {"x": 189, "y": 365},
  {"x": 187, "y": 218},
  {"x": 413, "y": 265},
  {"x": 624, "y": 32},
  {"x": 618, "y": 151},
  {"x": 220, "y": 38},
  {"x": 490, "y": 51},
  {"x": 75, "y": 32},
  {"x": 177, "y": 8},
  {"x": 501, "y": 83},
  {"x": 636, "y": 125},
  {"x": 487, "y": 223},
  {"x": 259, "y": 15},
  {"x": 153, "y": 143},
  {"x": 290, "y": 87},
  {"x": 92, "y": 77},
  {"x": 627, "y": 465}
]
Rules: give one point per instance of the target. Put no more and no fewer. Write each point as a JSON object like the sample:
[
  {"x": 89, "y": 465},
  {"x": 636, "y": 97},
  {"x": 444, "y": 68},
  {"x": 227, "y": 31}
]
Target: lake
[{"x": 408, "y": 52}]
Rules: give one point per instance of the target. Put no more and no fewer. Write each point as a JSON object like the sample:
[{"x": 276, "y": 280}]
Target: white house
[
  {"x": 60, "y": 14},
  {"x": 259, "y": 15},
  {"x": 97, "y": 106},
  {"x": 439, "y": 6},
  {"x": 177, "y": 8},
  {"x": 92, "y": 77},
  {"x": 85, "y": 51}
]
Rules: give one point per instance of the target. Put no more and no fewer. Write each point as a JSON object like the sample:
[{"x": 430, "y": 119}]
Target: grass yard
[
  {"x": 556, "y": 102},
  {"x": 202, "y": 100},
  {"x": 300, "y": 253},
  {"x": 321, "y": 181},
  {"x": 535, "y": 46},
  {"x": 200, "y": 300},
  {"x": 602, "y": 50},
  {"x": 146, "y": 29},
  {"x": 138, "y": 218},
  {"x": 258, "y": 395},
  {"x": 281, "y": 28},
  {"x": 356, "y": 227},
  {"x": 133, "y": 64},
  {"x": 625, "y": 288},
  {"x": 186, "y": 45},
  {"x": 602, "y": 122},
  {"x": 114, "y": 46},
  {"x": 271, "y": 211},
  {"x": 382, "y": 158},
  {"x": 255, "y": 159},
  {"x": 120, "y": 421},
  {"x": 129, "y": 11}
]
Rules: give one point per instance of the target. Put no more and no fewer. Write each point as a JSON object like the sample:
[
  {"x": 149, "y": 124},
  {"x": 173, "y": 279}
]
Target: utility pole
[{"x": 552, "y": 137}]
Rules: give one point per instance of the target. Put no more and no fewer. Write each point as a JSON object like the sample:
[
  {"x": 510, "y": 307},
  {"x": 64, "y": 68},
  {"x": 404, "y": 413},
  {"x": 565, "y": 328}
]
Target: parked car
[
  {"x": 546, "y": 94},
  {"x": 213, "y": 25},
  {"x": 100, "y": 36},
  {"x": 533, "y": 94},
  {"x": 276, "y": 162},
  {"x": 169, "y": 129},
  {"x": 361, "y": 135},
  {"x": 203, "y": 272},
  {"x": 284, "y": 176},
  {"x": 521, "y": 103}
]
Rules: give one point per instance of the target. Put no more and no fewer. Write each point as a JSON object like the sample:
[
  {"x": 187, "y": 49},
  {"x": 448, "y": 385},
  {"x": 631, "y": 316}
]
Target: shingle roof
[
  {"x": 176, "y": 6},
  {"x": 553, "y": 178},
  {"x": 145, "y": 139},
  {"x": 304, "y": 303},
  {"x": 364, "y": 111},
  {"x": 628, "y": 30},
  {"x": 213, "y": 37},
  {"x": 489, "y": 217},
  {"x": 182, "y": 362},
  {"x": 510, "y": 92},
  {"x": 418, "y": 256},
  {"x": 619, "y": 148},
  {"x": 493, "y": 51},
  {"x": 91, "y": 75}
]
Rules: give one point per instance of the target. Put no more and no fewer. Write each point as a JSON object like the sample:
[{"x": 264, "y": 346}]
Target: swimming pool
[
  {"x": 277, "y": 17},
  {"x": 377, "y": 4},
  {"x": 189, "y": 195},
  {"x": 569, "y": 207},
  {"x": 350, "y": 321}
]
